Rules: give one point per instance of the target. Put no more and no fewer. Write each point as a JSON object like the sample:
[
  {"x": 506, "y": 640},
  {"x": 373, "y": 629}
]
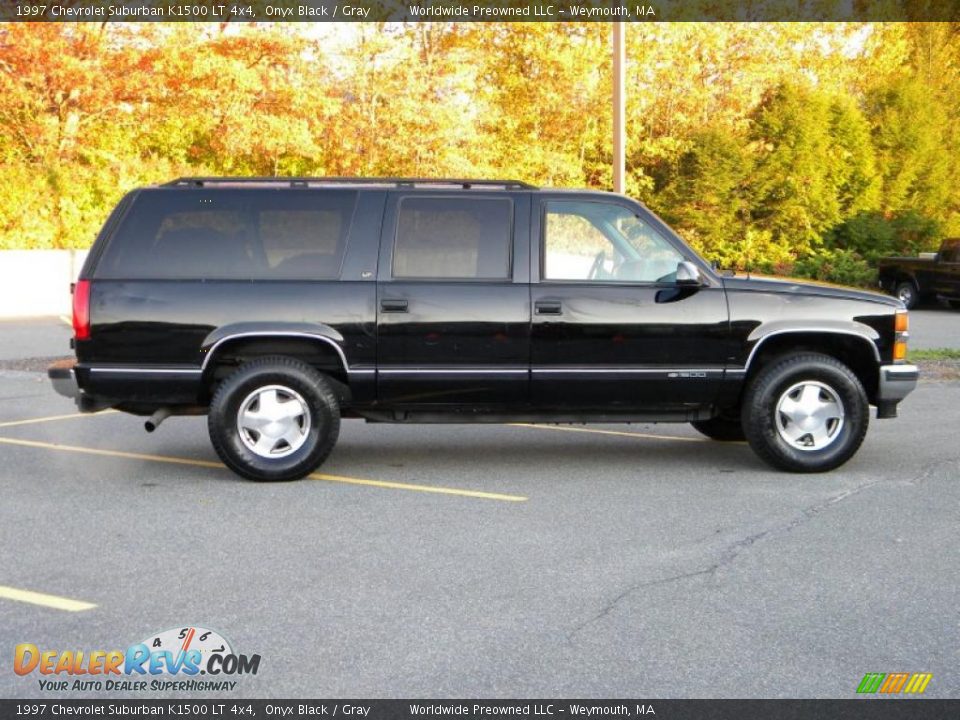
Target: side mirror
[{"x": 688, "y": 274}]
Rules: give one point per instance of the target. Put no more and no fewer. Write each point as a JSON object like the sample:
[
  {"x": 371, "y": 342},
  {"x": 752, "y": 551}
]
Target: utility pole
[{"x": 619, "y": 116}]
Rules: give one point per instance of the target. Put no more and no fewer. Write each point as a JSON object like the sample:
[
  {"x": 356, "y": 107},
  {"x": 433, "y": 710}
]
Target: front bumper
[
  {"x": 896, "y": 382},
  {"x": 63, "y": 376}
]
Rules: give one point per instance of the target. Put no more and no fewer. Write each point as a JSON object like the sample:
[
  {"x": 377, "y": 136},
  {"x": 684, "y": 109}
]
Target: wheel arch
[
  {"x": 855, "y": 348},
  {"x": 318, "y": 345}
]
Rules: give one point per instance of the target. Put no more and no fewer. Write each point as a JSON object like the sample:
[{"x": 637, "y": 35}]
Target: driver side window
[
  {"x": 576, "y": 249},
  {"x": 603, "y": 242}
]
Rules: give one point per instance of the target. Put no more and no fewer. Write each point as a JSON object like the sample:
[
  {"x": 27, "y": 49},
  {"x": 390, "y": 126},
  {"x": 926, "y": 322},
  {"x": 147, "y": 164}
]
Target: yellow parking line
[
  {"x": 610, "y": 432},
  {"x": 51, "y": 418},
  {"x": 52, "y": 601},
  {"x": 109, "y": 453},
  {"x": 420, "y": 488},
  {"x": 66, "y": 320},
  {"x": 315, "y": 476}
]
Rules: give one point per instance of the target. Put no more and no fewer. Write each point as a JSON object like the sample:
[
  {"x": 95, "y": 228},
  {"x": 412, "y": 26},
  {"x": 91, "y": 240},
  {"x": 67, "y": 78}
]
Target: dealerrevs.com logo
[{"x": 171, "y": 660}]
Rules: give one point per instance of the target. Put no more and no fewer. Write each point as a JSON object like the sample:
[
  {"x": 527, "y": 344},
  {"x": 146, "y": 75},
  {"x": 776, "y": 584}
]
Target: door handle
[
  {"x": 548, "y": 307},
  {"x": 394, "y": 305}
]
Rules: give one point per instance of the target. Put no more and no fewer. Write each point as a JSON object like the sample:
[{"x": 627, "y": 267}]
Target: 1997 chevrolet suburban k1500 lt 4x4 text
[{"x": 279, "y": 306}]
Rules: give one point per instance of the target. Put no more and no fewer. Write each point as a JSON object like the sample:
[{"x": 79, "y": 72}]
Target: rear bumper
[
  {"x": 97, "y": 387},
  {"x": 63, "y": 376},
  {"x": 896, "y": 382}
]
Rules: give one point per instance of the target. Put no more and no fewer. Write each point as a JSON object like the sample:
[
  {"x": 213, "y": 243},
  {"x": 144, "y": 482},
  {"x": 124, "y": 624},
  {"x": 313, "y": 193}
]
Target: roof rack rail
[{"x": 465, "y": 183}]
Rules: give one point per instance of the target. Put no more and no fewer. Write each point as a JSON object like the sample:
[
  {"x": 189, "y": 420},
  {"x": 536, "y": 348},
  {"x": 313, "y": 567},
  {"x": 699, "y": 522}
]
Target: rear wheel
[
  {"x": 722, "y": 428},
  {"x": 275, "y": 418},
  {"x": 805, "y": 413},
  {"x": 907, "y": 293}
]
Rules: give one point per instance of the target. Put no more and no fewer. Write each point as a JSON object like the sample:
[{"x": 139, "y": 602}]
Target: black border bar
[
  {"x": 548, "y": 709},
  {"x": 477, "y": 10}
]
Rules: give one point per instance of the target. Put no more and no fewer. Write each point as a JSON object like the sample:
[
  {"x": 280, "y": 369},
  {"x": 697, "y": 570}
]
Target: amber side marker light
[
  {"x": 901, "y": 325},
  {"x": 902, "y": 321}
]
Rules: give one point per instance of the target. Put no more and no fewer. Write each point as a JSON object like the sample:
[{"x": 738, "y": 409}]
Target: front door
[
  {"x": 453, "y": 305},
  {"x": 612, "y": 329}
]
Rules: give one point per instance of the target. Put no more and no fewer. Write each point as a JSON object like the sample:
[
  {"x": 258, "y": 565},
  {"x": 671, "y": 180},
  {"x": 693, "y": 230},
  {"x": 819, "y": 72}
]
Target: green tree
[{"x": 792, "y": 193}]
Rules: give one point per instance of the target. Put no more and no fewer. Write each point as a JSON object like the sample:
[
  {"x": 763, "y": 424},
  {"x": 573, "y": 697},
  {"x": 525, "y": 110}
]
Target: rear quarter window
[{"x": 231, "y": 235}]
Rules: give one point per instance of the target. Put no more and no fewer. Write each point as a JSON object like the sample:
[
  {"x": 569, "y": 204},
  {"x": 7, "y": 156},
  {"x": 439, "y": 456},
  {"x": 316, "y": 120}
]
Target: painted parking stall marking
[
  {"x": 435, "y": 489},
  {"x": 51, "y": 601}
]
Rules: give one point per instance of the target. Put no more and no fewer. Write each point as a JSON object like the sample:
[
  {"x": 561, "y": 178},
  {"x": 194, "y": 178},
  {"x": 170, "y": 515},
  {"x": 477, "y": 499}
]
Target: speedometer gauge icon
[{"x": 181, "y": 640}]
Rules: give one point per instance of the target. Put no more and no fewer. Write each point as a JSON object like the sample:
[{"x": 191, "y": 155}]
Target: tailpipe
[{"x": 158, "y": 417}]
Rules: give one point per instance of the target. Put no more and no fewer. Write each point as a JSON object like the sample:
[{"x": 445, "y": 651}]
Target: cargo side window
[
  {"x": 226, "y": 234},
  {"x": 453, "y": 238}
]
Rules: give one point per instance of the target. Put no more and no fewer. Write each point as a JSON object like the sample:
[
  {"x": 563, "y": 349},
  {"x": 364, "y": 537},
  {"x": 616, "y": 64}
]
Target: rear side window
[
  {"x": 231, "y": 234},
  {"x": 453, "y": 238}
]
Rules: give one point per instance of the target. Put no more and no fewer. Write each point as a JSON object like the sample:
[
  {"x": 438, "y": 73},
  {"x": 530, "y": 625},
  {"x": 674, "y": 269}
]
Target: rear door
[{"x": 453, "y": 306}]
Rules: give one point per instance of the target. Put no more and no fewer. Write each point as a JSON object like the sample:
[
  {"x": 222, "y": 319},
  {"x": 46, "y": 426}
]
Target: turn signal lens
[
  {"x": 902, "y": 322},
  {"x": 899, "y": 350}
]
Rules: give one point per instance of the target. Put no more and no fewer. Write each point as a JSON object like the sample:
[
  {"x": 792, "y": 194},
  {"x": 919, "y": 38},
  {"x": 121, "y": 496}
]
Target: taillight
[{"x": 81, "y": 310}]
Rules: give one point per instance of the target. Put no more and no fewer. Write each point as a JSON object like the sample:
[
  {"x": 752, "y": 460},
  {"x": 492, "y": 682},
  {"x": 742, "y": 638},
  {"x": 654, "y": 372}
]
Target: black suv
[{"x": 279, "y": 306}]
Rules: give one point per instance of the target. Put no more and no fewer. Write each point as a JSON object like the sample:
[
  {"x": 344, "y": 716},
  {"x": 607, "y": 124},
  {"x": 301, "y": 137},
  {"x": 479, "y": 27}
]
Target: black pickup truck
[
  {"x": 921, "y": 279},
  {"x": 279, "y": 306}
]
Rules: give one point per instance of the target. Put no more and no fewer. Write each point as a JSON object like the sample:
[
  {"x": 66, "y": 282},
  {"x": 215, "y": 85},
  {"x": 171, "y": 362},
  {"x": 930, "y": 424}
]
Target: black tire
[
  {"x": 767, "y": 428},
  {"x": 721, "y": 428},
  {"x": 317, "y": 425},
  {"x": 907, "y": 293}
]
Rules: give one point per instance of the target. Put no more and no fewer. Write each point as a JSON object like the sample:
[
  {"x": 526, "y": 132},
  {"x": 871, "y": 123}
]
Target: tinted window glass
[
  {"x": 603, "y": 242},
  {"x": 454, "y": 238},
  {"x": 225, "y": 234},
  {"x": 950, "y": 252}
]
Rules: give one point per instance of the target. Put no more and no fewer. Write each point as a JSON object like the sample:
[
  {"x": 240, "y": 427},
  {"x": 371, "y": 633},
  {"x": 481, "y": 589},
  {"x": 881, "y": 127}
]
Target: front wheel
[
  {"x": 805, "y": 413},
  {"x": 275, "y": 418}
]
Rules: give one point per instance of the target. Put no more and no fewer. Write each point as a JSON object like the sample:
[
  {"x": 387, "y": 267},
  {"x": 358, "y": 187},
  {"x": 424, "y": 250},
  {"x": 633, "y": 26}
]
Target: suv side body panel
[{"x": 413, "y": 348}]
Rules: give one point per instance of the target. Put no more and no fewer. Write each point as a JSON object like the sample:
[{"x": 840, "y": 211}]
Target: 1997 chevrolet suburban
[{"x": 279, "y": 306}]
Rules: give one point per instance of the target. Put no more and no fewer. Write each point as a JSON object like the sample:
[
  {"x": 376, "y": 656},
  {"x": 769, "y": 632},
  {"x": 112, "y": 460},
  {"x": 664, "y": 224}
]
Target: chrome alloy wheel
[
  {"x": 273, "y": 421},
  {"x": 809, "y": 415}
]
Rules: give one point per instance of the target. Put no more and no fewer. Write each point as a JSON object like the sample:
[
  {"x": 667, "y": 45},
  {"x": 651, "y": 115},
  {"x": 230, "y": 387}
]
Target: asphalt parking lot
[{"x": 492, "y": 561}]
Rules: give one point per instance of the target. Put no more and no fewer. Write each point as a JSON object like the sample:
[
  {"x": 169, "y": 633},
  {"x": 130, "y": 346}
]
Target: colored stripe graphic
[
  {"x": 871, "y": 682},
  {"x": 892, "y": 683},
  {"x": 918, "y": 683}
]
